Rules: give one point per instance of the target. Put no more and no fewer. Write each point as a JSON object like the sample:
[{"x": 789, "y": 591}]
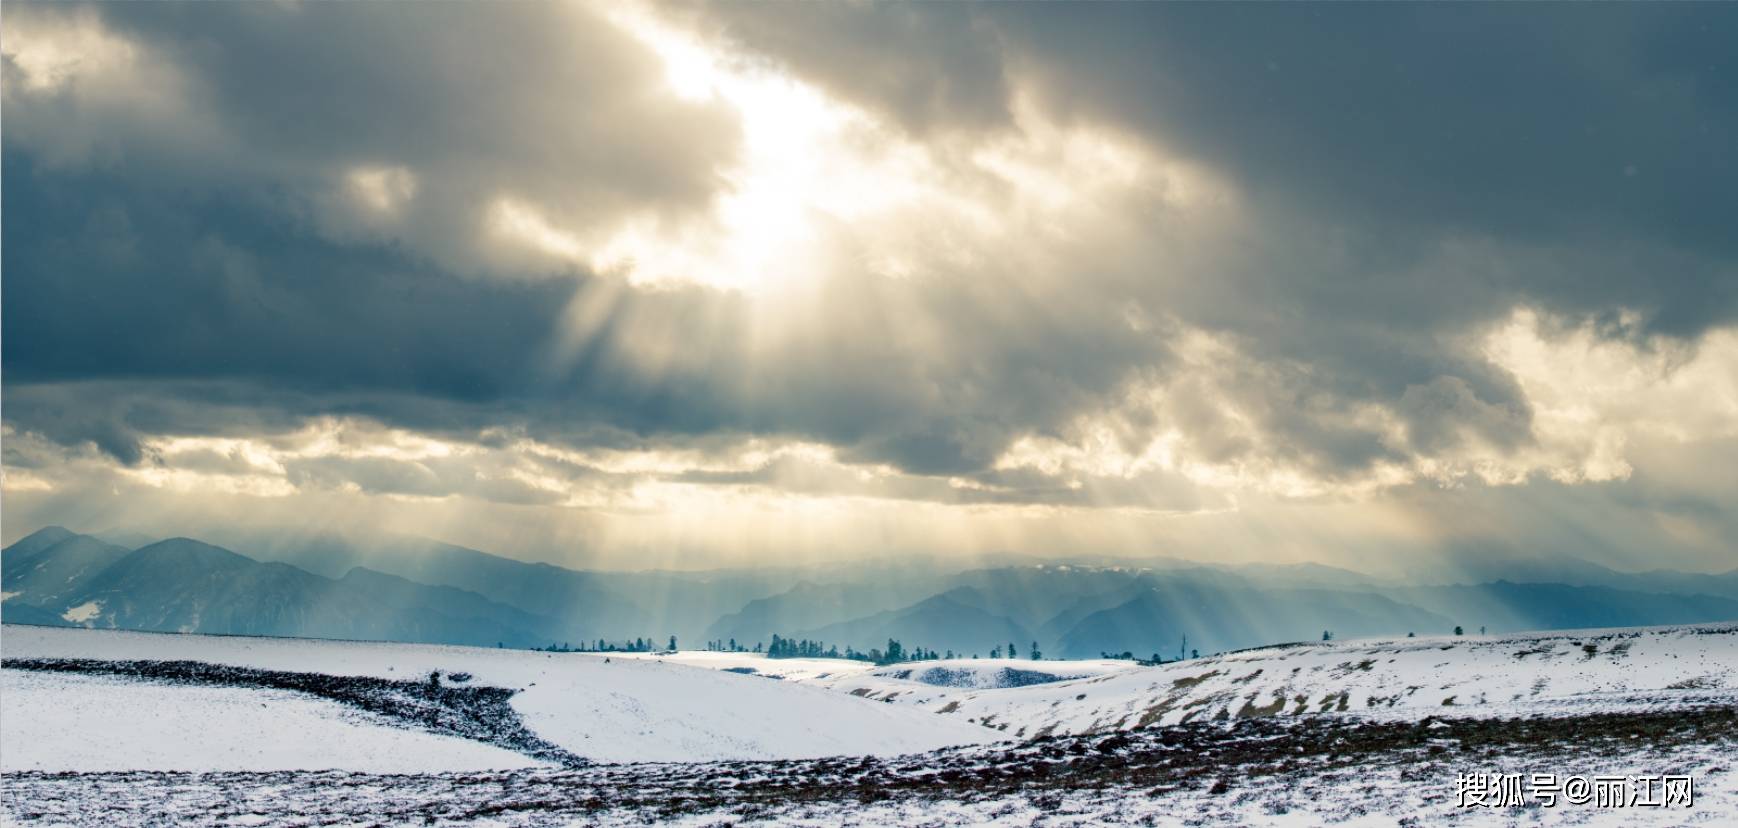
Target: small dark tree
[
  {"x": 1036, "y": 655},
  {"x": 1327, "y": 635},
  {"x": 1458, "y": 630}
]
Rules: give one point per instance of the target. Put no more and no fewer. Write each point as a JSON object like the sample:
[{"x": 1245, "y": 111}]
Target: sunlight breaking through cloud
[{"x": 821, "y": 279}]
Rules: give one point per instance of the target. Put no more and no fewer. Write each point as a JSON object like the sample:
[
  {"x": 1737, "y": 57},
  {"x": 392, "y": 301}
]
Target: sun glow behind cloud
[
  {"x": 694, "y": 281},
  {"x": 382, "y": 190},
  {"x": 51, "y": 53},
  {"x": 793, "y": 170},
  {"x": 816, "y": 176}
]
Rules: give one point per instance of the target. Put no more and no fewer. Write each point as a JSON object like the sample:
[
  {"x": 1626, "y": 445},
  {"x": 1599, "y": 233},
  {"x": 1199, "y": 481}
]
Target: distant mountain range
[
  {"x": 408, "y": 589},
  {"x": 1169, "y": 616},
  {"x": 183, "y": 585},
  {"x": 949, "y": 621}
]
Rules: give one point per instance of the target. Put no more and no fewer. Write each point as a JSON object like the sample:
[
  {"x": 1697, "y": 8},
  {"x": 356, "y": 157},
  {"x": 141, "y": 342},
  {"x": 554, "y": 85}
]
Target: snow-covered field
[
  {"x": 960, "y": 672},
  {"x": 1270, "y": 771},
  {"x": 755, "y": 664},
  {"x": 601, "y": 708},
  {"x": 991, "y": 674},
  {"x": 1371, "y": 732},
  {"x": 1407, "y": 677},
  {"x": 59, "y": 722},
  {"x": 1583, "y": 670}
]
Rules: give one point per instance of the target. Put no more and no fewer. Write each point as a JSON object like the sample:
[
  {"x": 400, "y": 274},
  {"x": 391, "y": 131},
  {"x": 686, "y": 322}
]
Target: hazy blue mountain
[
  {"x": 1487, "y": 566},
  {"x": 1722, "y": 585},
  {"x": 15, "y": 611},
  {"x": 184, "y": 585},
  {"x": 1301, "y": 575},
  {"x": 1032, "y": 595},
  {"x": 1052, "y": 631},
  {"x": 37, "y": 541},
  {"x": 182, "y": 582},
  {"x": 807, "y": 606},
  {"x": 1050, "y": 600},
  {"x": 461, "y": 605},
  {"x": 49, "y": 565},
  {"x": 1214, "y": 619},
  {"x": 410, "y": 589},
  {"x": 575, "y": 601},
  {"x": 688, "y": 603},
  {"x": 1509, "y": 607},
  {"x": 950, "y": 621},
  {"x": 585, "y": 604}
]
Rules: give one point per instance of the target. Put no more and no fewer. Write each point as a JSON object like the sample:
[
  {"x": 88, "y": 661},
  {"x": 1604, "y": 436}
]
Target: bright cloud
[{"x": 840, "y": 280}]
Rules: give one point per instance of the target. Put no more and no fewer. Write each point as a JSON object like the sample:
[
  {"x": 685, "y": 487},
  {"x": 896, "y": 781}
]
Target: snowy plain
[
  {"x": 598, "y": 707},
  {"x": 1566, "y": 671},
  {"x": 58, "y": 722},
  {"x": 1571, "y": 671},
  {"x": 1370, "y": 732},
  {"x": 976, "y": 673}
]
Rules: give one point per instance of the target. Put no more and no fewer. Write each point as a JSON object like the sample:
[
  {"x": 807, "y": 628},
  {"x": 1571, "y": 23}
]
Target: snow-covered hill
[
  {"x": 1390, "y": 724},
  {"x": 1411, "y": 677},
  {"x": 973, "y": 673},
  {"x": 1465, "y": 676},
  {"x": 61, "y": 722},
  {"x": 596, "y": 707},
  {"x": 989, "y": 674}
]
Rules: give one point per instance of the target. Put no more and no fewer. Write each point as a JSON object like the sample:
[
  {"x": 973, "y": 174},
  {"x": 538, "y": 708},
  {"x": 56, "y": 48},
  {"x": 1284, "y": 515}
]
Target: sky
[{"x": 699, "y": 285}]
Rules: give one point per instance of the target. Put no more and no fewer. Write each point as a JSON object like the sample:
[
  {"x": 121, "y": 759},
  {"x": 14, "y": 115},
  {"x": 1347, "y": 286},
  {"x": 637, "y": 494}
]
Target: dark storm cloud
[
  {"x": 167, "y": 264},
  {"x": 1411, "y": 174},
  {"x": 189, "y": 311},
  {"x": 1419, "y": 171},
  {"x": 1591, "y": 127},
  {"x": 114, "y": 277},
  {"x": 1519, "y": 116},
  {"x": 1523, "y": 118},
  {"x": 544, "y": 101}
]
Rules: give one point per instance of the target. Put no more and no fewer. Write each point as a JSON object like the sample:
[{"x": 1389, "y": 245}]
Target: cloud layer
[{"x": 720, "y": 282}]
